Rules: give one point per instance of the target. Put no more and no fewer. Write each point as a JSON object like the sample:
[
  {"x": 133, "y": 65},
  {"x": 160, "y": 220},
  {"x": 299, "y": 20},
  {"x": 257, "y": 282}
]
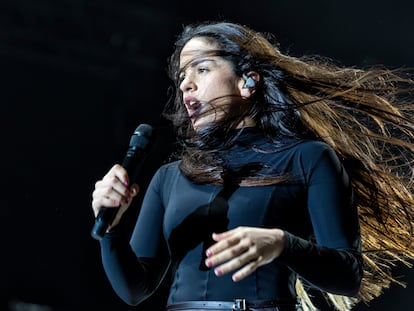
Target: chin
[
  {"x": 197, "y": 128},
  {"x": 198, "y": 125}
]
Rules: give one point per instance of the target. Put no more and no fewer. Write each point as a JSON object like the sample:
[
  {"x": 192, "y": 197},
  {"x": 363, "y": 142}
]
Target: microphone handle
[{"x": 107, "y": 214}]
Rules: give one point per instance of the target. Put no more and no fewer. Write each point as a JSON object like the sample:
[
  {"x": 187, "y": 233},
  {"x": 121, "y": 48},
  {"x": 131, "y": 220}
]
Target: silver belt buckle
[{"x": 239, "y": 304}]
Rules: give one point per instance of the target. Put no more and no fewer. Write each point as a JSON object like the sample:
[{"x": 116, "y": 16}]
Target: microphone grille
[
  {"x": 143, "y": 130},
  {"x": 141, "y": 136}
]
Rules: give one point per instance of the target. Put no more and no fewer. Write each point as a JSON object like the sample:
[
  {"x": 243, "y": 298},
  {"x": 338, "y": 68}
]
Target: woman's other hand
[{"x": 244, "y": 249}]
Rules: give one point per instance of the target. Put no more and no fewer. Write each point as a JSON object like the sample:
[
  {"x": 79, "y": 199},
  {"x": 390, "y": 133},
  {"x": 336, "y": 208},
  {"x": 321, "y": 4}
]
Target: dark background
[{"x": 77, "y": 77}]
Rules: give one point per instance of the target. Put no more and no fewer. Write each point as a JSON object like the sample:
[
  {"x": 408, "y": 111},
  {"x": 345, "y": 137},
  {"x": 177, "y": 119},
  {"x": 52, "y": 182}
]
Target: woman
[{"x": 294, "y": 175}]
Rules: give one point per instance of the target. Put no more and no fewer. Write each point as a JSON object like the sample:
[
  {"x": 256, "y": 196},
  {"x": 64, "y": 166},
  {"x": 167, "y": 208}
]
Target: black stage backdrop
[{"x": 78, "y": 76}]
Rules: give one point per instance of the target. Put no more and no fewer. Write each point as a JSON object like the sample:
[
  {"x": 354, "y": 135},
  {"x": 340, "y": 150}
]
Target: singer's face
[{"x": 208, "y": 83}]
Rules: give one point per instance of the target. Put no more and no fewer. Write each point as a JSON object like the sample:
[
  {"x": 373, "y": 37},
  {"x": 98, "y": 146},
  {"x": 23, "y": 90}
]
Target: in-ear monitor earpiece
[{"x": 250, "y": 83}]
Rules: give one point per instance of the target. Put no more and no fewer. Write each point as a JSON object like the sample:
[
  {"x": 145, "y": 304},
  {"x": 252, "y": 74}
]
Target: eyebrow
[{"x": 196, "y": 62}]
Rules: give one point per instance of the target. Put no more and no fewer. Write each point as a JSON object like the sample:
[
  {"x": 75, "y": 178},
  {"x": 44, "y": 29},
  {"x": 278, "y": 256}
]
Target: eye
[{"x": 202, "y": 69}]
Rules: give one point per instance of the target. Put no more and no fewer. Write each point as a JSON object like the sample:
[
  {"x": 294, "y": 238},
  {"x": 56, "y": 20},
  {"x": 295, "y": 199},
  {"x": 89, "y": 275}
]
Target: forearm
[
  {"x": 332, "y": 270},
  {"x": 133, "y": 279}
]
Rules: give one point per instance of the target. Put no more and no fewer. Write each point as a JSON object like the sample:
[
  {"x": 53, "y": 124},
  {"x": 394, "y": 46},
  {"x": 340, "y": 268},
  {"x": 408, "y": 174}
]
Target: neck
[{"x": 247, "y": 122}]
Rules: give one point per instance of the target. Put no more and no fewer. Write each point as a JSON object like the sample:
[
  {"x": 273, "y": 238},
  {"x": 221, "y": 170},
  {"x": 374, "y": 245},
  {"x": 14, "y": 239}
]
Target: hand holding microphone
[{"x": 113, "y": 194}]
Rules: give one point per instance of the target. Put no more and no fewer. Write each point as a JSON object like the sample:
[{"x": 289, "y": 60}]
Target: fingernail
[
  {"x": 208, "y": 263},
  {"x": 218, "y": 271},
  {"x": 209, "y": 253},
  {"x": 126, "y": 182},
  {"x": 234, "y": 278}
]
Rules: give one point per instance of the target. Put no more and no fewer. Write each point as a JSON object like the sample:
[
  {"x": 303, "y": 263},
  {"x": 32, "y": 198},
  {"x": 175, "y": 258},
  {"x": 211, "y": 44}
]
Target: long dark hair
[
  {"x": 275, "y": 114},
  {"x": 365, "y": 115}
]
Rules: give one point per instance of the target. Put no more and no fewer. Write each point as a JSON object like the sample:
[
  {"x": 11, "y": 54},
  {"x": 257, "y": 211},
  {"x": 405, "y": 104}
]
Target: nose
[{"x": 187, "y": 84}]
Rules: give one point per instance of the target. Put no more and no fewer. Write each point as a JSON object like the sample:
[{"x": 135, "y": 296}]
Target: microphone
[{"x": 138, "y": 145}]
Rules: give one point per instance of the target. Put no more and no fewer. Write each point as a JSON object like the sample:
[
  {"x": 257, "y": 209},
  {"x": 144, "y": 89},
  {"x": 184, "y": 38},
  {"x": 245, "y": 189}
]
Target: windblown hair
[{"x": 365, "y": 115}]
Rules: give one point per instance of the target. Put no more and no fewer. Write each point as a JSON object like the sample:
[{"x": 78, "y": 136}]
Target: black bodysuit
[{"x": 314, "y": 207}]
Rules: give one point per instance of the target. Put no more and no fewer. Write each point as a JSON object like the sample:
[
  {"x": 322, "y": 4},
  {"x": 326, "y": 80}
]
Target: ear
[{"x": 248, "y": 89}]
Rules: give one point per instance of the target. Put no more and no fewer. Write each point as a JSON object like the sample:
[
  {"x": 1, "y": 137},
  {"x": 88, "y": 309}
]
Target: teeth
[{"x": 193, "y": 102}]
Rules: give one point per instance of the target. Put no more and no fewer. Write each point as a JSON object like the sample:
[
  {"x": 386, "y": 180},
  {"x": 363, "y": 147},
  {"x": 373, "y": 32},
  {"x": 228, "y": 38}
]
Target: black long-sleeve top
[{"x": 314, "y": 207}]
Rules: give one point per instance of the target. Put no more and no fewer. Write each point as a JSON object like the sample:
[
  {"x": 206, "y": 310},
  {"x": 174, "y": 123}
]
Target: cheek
[
  {"x": 218, "y": 85},
  {"x": 226, "y": 86}
]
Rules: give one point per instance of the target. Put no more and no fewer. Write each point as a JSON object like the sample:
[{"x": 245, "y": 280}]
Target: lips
[{"x": 193, "y": 106}]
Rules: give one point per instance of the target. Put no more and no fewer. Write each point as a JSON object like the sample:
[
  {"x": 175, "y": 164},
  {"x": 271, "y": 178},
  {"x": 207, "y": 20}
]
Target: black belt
[{"x": 237, "y": 304}]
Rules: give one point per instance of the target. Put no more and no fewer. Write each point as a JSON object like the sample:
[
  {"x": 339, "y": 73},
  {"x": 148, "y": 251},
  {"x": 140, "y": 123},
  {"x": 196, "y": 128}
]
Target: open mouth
[{"x": 193, "y": 107}]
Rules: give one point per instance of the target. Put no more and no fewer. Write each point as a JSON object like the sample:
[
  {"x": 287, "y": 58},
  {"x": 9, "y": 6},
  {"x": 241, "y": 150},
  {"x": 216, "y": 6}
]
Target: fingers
[
  {"x": 235, "y": 250},
  {"x": 243, "y": 250},
  {"x": 248, "y": 269},
  {"x": 112, "y": 190},
  {"x": 118, "y": 171},
  {"x": 248, "y": 261},
  {"x": 225, "y": 240}
]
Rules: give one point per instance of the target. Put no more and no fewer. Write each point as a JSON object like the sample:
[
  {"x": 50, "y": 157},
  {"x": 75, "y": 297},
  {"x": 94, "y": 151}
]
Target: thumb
[{"x": 134, "y": 189}]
